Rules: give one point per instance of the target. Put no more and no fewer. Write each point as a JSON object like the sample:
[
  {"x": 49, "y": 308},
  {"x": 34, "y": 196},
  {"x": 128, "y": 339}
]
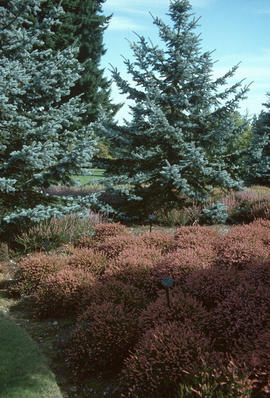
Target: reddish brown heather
[
  {"x": 87, "y": 241},
  {"x": 102, "y": 338},
  {"x": 60, "y": 294},
  {"x": 158, "y": 240},
  {"x": 194, "y": 236},
  {"x": 88, "y": 260},
  {"x": 162, "y": 359},
  {"x": 211, "y": 286},
  {"x": 180, "y": 263},
  {"x": 114, "y": 245},
  {"x": 134, "y": 266},
  {"x": 183, "y": 308},
  {"x": 238, "y": 255},
  {"x": 106, "y": 230},
  {"x": 241, "y": 316},
  {"x": 35, "y": 269},
  {"x": 116, "y": 292}
]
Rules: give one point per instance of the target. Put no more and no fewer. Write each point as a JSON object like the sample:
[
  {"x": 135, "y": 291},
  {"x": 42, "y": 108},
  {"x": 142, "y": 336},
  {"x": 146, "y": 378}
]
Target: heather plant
[
  {"x": 241, "y": 316},
  {"x": 35, "y": 269},
  {"x": 106, "y": 230},
  {"x": 60, "y": 293},
  {"x": 88, "y": 260},
  {"x": 180, "y": 263},
  {"x": 52, "y": 233},
  {"x": 181, "y": 308},
  {"x": 241, "y": 254},
  {"x": 210, "y": 286},
  {"x": 157, "y": 239},
  {"x": 114, "y": 291},
  {"x": 260, "y": 209},
  {"x": 195, "y": 236},
  {"x": 112, "y": 246},
  {"x": 102, "y": 338},
  {"x": 225, "y": 381},
  {"x": 257, "y": 360},
  {"x": 162, "y": 360},
  {"x": 134, "y": 266}
]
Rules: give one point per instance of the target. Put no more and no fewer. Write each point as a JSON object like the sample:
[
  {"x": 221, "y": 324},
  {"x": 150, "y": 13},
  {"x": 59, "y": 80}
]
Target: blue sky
[{"x": 238, "y": 31}]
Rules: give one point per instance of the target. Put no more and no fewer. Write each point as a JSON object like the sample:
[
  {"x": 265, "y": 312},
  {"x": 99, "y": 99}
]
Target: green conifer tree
[
  {"x": 39, "y": 145},
  {"x": 181, "y": 142},
  {"x": 258, "y": 159}
]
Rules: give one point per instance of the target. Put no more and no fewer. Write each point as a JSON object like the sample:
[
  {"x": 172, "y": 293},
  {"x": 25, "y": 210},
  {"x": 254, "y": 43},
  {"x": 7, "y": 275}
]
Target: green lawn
[
  {"x": 84, "y": 179},
  {"x": 24, "y": 372}
]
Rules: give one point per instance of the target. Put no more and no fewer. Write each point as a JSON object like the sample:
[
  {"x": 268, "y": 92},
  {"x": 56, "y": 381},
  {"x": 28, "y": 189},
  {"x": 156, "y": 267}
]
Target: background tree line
[{"x": 185, "y": 138}]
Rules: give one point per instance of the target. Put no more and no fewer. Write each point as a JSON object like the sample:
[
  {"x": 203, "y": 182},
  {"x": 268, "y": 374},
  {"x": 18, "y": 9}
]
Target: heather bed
[{"x": 211, "y": 338}]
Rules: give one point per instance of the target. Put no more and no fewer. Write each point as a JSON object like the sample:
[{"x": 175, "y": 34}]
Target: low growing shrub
[
  {"x": 241, "y": 254},
  {"x": 101, "y": 340},
  {"x": 116, "y": 292},
  {"x": 106, "y": 230},
  {"x": 52, "y": 233},
  {"x": 180, "y": 263},
  {"x": 88, "y": 260},
  {"x": 134, "y": 266},
  {"x": 161, "y": 361},
  {"x": 195, "y": 236},
  {"x": 114, "y": 245},
  {"x": 158, "y": 240},
  {"x": 211, "y": 286},
  {"x": 241, "y": 316},
  {"x": 60, "y": 294},
  {"x": 182, "y": 308},
  {"x": 35, "y": 269}
]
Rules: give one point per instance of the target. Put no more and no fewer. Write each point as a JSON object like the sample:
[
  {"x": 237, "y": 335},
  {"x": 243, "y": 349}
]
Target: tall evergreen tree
[
  {"x": 258, "y": 159},
  {"x": 84, "y": 24},
  {"x": 39, "y": 146},
  {"x": 181, "y": 142}
]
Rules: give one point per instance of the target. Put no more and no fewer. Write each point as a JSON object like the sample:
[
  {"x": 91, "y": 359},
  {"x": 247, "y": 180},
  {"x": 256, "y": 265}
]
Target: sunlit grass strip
[{"x": 24, "y": 372}]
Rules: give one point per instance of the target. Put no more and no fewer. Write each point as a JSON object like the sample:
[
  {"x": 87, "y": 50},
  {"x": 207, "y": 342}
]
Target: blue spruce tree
[
  {"x": 39, "y": 144},
  {"x": 181, "y": 142},
  {"x": 258, "y": 159}
]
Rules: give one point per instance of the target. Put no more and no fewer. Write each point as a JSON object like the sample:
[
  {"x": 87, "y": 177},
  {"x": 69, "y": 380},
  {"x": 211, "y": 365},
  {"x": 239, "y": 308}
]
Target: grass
[
  {"x": 24, "y": 372},
  {"x": 94, "y": 174}
]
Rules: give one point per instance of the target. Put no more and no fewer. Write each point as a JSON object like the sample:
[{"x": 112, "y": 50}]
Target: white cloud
[{"x": 124, "y": 23}]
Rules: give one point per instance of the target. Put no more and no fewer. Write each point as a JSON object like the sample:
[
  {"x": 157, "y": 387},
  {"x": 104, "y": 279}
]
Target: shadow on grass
[{"x": 24, "y": 372}]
